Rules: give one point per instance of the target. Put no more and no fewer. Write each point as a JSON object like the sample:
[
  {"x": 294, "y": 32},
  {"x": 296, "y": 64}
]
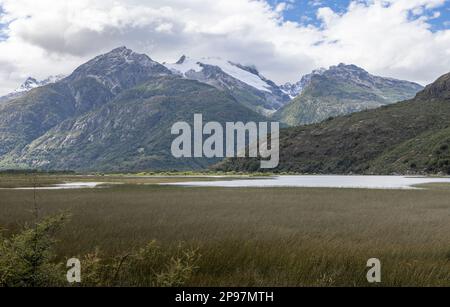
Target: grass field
[{"x": 253, "y": 237}]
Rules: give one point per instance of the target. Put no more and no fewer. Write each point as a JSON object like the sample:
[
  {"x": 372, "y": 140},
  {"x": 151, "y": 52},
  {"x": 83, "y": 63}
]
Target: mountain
[
  {"x": 91, "y": 85},
  {"x": 113, "y": 113},
  {"x": 295, "y": 89},
  {"x": 29, "y": 84},
  {"x": 132, "y": 132},
  {"x": 341, "y": 90},
  {"x": 410, "y": 137},
  {"x": 244, "y": 83}
]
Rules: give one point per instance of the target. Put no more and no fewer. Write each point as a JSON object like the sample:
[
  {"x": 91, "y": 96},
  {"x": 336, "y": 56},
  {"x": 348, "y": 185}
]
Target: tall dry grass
[{"x": 259, "y": 237}]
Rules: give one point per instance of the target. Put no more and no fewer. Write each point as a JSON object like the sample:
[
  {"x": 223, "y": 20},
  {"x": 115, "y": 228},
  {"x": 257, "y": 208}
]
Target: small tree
[{"x": 27, "y": 259}]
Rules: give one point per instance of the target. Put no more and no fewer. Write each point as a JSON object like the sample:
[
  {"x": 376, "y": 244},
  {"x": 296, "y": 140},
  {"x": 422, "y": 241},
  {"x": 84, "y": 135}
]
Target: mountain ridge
[
  {"x": 245, "y": 83},
  {"x": 409, "y": 137},
  {"x": 112, "y": 113},
  {"x": 31, "y": 115},
  {"x": 341, "y": 90},
  {"x": 29, "y": 84}
]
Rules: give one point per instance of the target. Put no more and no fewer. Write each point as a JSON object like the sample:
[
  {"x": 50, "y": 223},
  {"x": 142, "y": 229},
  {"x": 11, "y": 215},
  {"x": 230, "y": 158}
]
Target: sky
[{"x": 284, "y": 39}]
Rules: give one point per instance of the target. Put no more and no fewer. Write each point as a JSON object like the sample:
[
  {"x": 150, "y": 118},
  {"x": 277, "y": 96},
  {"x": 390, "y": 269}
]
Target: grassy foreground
[{"x": 255, "y": 237}]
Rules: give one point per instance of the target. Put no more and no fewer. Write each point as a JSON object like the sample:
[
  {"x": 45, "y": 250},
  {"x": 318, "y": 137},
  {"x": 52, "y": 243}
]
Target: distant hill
[
  {"x": 340, "y": 90},
  {"x": 410, "y": 137}
]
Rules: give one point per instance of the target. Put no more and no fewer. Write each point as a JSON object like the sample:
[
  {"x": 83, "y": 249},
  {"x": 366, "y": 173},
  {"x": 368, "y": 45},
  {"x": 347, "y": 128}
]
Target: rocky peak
[
  {"x": 347, "y": 71},
  {"x": 251, "y": 69},
  {"x": 119, "y": 69},
  {"x": 181, "y": 60},
  {"x": 121, "y": 50},
  {"x": 349, "y": 67},
  {"x": 295, "y": 89},
  {"x": 29, "y": 84},
  {"x": 440, "y": 89},
  {"x": 116, "y": 59}
]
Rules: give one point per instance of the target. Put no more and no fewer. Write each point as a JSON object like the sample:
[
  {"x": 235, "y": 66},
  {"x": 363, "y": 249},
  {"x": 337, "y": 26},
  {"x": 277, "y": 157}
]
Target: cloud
[
  {"x": 315, "y": 2},
  {"x": 284, "y": 6},
  {"x": 387, "y": 37}
]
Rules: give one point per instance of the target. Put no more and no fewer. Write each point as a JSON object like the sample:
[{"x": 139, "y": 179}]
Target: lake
[
  {"x": 64, "y": 186},
  {"x": 362, "y": 182}
]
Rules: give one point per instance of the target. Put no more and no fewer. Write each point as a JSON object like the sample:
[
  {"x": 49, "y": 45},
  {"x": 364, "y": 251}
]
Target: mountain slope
[
  {"x": 113, "y": 113},
  {"x": 341, "y": 90},
  {"x": 132, "y": 132},
  {"x": 244, "y": 83},
  {"x": 93, "y": 84},
  {"x": 407, "y": 137}
]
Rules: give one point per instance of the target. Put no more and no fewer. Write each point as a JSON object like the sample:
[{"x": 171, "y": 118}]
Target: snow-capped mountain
[
  {"x": 29, "y": 84},
  {"x": 187, "y": 65},
  {"x": 113, "y": 112},
  {"x": 341, "y": 90},
  {"x": 295, "y": 89},
  {"x": 245, "y": 83}
]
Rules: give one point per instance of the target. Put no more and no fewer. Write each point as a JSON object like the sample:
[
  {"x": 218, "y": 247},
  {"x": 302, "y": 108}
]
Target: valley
[
  {"x": 115, "y": 113},
  {"x": 409, "y": 137},
  {"x": 247, "y": 236},
  {"x": 204, "y": 149}
]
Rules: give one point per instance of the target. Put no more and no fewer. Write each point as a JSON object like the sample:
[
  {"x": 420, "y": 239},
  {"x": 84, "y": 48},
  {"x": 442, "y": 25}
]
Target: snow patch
[
  {"x": 186, "y": 65},
  {"x": 32, "y": 83}
]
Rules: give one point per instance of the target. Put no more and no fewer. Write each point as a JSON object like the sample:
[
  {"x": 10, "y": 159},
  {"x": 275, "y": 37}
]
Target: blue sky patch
[
  {"x": 2, "y": 26},
  {"x": 304, "y": 12}
]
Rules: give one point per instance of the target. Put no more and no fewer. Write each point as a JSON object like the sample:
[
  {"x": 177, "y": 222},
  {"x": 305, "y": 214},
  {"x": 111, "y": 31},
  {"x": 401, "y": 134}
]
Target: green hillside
[
  {"x": 132, "y": 132},
  {"x": 407, "y": 137},
  {"x": 343, "y": 90}
]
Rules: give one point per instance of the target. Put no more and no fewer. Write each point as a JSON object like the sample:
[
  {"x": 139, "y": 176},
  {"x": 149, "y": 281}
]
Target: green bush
[{"x": 27, "y": 259}]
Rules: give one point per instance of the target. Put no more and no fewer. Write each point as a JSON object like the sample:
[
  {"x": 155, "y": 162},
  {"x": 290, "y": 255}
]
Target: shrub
[
  {"x": 150, "y": 266},
  {"x": 28, "y": 260}
]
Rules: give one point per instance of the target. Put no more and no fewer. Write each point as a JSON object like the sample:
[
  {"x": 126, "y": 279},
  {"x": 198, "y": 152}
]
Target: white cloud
[
  {"x": 50, "y": 37},
  {"x": 284, "y": 6},
  {"x": 315, "y": 2}
]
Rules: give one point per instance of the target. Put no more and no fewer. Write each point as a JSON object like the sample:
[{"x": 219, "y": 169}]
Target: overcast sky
[{"x": 406, "y": 39}]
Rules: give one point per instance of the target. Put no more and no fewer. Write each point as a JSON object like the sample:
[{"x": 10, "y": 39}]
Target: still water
[{"x": 363, "y": 182}]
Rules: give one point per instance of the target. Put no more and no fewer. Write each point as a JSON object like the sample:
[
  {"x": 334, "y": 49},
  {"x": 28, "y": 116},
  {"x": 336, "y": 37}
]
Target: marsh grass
[{"x": 257, "y": 237}]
